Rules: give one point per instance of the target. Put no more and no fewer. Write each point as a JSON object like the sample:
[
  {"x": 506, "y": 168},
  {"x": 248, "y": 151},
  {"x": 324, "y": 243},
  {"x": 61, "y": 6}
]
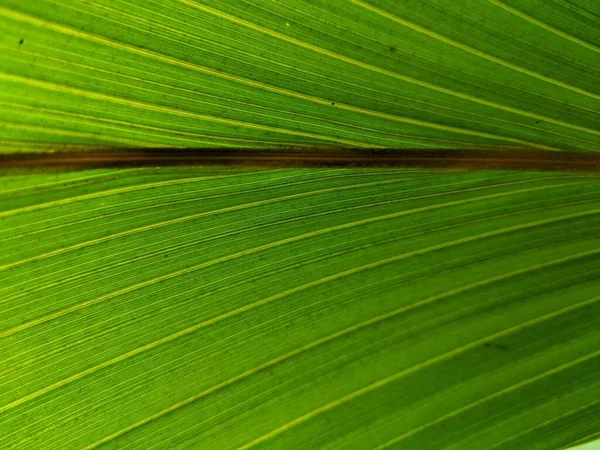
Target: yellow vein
[
  {"x": 456, "y": 19},
  {"x": 66, "y": 183},
  {"x": 421, "y": 49},
  {"x": 380, "y": 383},
  {"x": 159, "y": 430},
  {"x": 334, "y": 127},
  {"x": 193, "y": 242},
  {"x": 580, "y": 441},
  {"x": 186, "y": 218},
  {"x": 364, "y": 246},
  {"x": 172, "y": 31},
  {"x": 171, "y": 87},
  {"x": 334, "y": 176},
  {"x": 108, "y": 192},
  {"x": 166, "y": 109},
  {"x": 545, "y": 423},
  {"x": 260, "y": 203},
  {"x": 256, "y": 304},
  {"x": 216, "y": 237},
  {"x": 381, "y": 71},
  {"x": 544, "y": 25},
  {"x": 190, "y": 197},
  {"x": 278, "y": 269},
  {"x": 471, "y": 50},
  {"x": 286, "y": 92},
  {"x": 142, "y": 200},
  {"x": 30, "y": 145},
  {"x": 244, "y": 229},
  {"x": 43, "y": 113},
  {"x": 77, "y": 134},
  {"x": 332, "y": 337},
  {"x": 392, "y": 101},
  {"x": 272, "y": 268},
  {"x": 497, "y": 394},
  {"x": 99, "y": 393}
]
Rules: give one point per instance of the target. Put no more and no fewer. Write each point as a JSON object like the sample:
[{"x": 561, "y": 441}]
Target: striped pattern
[
  {"x": 322, "y": 308},
  {"x": 271, "y": 74}
]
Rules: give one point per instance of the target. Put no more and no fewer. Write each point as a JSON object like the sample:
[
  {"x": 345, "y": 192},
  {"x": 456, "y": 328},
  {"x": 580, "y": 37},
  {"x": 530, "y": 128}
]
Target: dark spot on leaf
[
  {"x": 166, "y": 256},
  {"x": 332, "y": 103},
  {"x": 21, "y": 41},
  {"x": 392, "y": 49},
  {"x": 501, "y": 347},
  {"x": 537, "y": 121}
]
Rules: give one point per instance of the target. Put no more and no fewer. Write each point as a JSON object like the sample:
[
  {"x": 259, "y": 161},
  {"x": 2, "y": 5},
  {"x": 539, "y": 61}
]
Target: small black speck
[
  {"x": 392, "y": 49},
  {"x": 332, "y": 103},
  {"x": 166, "y": 256},
  {"x": 537, "y": 121},
  {"x": 21, "y": 41}
]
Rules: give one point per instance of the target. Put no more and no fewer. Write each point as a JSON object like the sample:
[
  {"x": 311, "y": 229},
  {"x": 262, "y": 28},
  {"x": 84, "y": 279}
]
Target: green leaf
[
  {"x": 214, "y": 307},
  {"x": 324, "y": 308},
  {"x": 191, "y": 73}
]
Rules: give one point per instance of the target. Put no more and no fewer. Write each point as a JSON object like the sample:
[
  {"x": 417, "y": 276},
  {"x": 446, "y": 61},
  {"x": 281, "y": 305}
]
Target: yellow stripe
[
  {"x": 471, "y": 50},
  {"x": 329, "y": 338},
  {"x": 106, "y": 193},
  {"x": 334, "y": 123},
  {"x": 187, "y": 218},
  {"x": 495, "y": 394},
  {"x": 37, "y": 111},
  {"x": 66, "y": 183},
  {"x": 77, "y": 134},
  {"x": 310, "y": 73},
  {"x": 312, "y": 99},
  {"x": 584, "y": 440},
  {"x": 415, "y": 368},
  {"x": 186, "y": 244},
  {"x": 292, "y": 239},
  {"x": 262, "y": 202},
  {"x": 381, "y": 71},
  {"x": 545, "y": 423},
  {"x": 174, "y": 32},
  {"x": 165, "y": 109},
  {"x": 545, "y": 26},
  {"x": 267, "y": 300}
]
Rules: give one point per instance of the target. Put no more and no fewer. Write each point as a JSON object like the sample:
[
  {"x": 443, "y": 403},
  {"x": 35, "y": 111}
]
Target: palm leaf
[{"x": 216, "y": 307}]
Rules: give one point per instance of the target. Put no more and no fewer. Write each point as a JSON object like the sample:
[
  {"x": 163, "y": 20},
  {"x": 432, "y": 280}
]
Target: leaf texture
[
  {"x": 361, "y": 308},
  {"x": 373, "y": 73},
  {"x": 321, "y": 308}
]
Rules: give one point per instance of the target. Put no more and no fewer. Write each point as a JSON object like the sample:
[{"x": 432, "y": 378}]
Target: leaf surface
[
  {"x": 408, "y": 74},
  {"x": 361, "y": 308},
  {"x": 321, "y": 308}
]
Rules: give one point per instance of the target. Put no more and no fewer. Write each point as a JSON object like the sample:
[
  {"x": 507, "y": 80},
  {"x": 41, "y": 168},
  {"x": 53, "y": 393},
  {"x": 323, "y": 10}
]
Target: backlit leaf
[{"x": 357, "y": 308}]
